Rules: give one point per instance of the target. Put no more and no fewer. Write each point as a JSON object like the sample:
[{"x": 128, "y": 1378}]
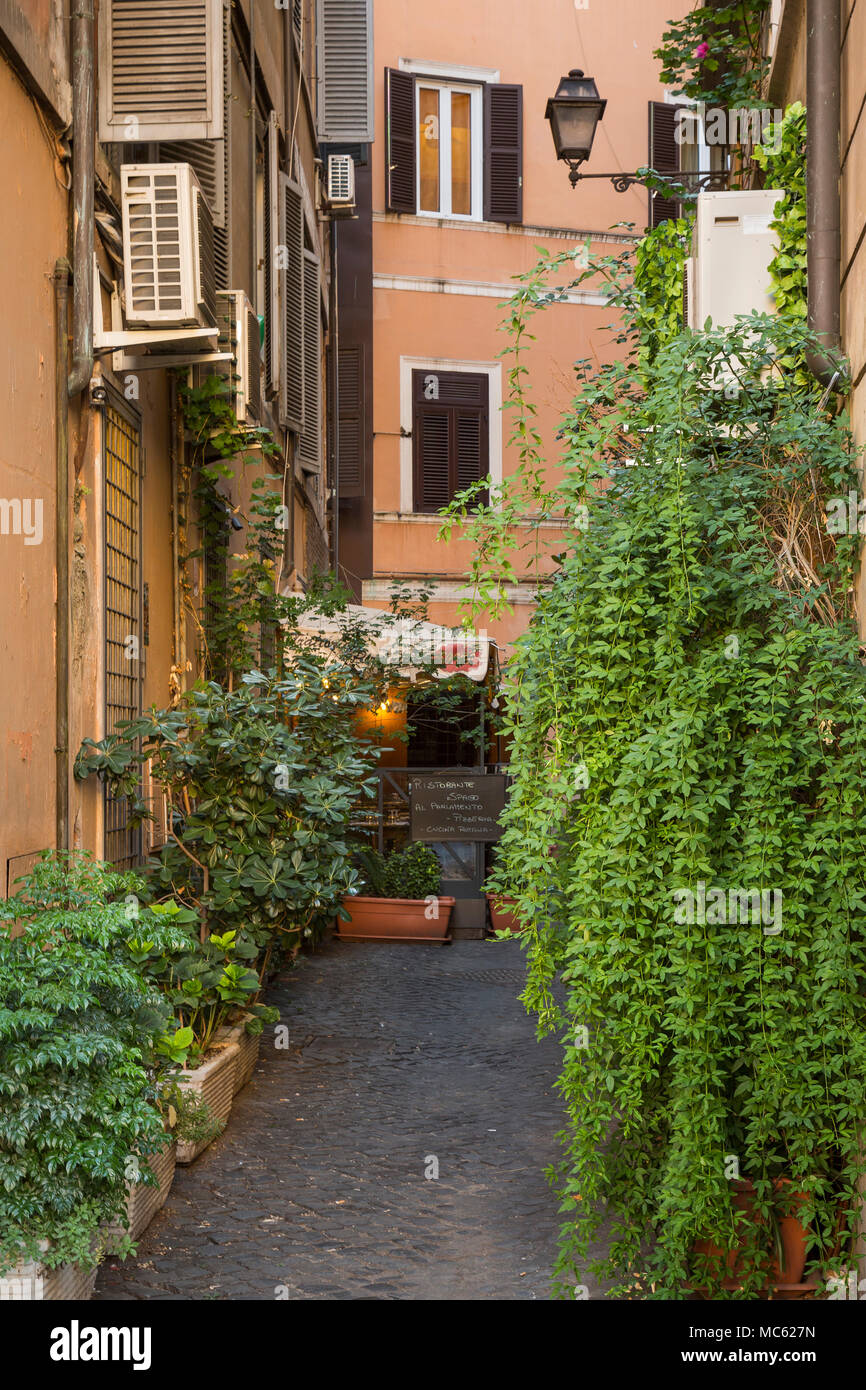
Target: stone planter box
[
  {"x": 248, "y": 1051},
  {"x": 394, "y": 919},
  {"x": 145, "y": 1201},
  {"x": 31, "y": 1282},
  {"x": 214, "y": 1081}
]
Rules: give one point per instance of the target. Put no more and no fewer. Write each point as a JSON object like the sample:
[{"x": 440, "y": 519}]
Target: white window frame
[
  {"x": 493, "y": 372},
  {"x": 476, "y": 129}
]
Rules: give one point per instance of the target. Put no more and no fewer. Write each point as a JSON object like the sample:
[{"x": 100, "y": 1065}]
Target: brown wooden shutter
[
  {"x": 291, "y": 270},
  {"x": 161, "y": 70},
  {"x": 503, "y": 152},
  {"x": 399, "y": 141},
  {"x": 664, "y": 156},
  {"x": 450, "y": 435},
  {"x": 211, "y": 160},
  {"x": 351, "y": 441},
  {"x": 271, "y": 229},
  {"x": 310, "y": 441}
]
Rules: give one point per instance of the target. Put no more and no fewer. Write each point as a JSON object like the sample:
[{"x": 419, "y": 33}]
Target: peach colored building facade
[{"x": 440, "y": 278}]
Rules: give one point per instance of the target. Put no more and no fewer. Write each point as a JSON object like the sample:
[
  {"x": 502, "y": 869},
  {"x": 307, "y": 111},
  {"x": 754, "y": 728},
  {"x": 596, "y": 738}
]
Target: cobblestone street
[{"x": 317, "y": 1189}]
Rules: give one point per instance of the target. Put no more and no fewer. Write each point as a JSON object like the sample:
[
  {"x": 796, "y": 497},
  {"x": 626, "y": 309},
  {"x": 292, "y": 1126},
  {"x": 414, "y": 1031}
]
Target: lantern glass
[
  {"x": 574, "y": 129},
  {"x": 574, "y": 113}
]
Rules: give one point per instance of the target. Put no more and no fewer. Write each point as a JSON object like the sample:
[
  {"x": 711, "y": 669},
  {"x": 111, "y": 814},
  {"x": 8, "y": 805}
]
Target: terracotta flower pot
[
  {"x": 395, "y": 919},
  {"x": 214, "y": 1081},
  {"x": 502, "y": 917},
  {"x": 793, "y": 1237}
]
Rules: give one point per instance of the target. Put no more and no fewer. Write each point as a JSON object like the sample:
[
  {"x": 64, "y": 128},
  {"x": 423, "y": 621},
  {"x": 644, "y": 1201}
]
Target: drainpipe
[
  {"x": 61, "y": 636},
  {"x": 823, "y": 173},
  {"x": 83, "y": 182}
]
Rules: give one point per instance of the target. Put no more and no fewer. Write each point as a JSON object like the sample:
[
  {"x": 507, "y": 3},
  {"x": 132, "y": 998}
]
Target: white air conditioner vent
[
  {"x": 341, "y": 180},
  {"x": 239, "y": 334},
  {"x": 168, "y": 248},
  {"x": 732, "y": 246}
]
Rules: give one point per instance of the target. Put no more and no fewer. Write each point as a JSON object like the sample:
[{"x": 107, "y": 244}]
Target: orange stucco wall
[
  {"x": 533, "y": 46},
  {"x": 32, "y": 236}
]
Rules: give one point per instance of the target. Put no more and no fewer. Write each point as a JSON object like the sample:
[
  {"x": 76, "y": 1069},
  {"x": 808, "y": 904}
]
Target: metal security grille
[{"x": 123, "y": 634}]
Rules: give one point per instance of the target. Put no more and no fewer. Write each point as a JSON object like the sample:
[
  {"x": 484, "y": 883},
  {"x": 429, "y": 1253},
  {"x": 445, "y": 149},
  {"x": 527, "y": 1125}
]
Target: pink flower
[{"x": 702, "y": 50}]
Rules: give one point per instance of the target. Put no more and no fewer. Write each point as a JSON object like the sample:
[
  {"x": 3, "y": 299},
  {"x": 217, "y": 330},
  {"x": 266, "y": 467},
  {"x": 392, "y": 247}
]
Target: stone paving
[{"x": 399, "y": 1057}]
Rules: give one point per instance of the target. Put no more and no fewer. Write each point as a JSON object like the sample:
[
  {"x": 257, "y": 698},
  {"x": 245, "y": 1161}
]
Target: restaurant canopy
[{"x": 409, "y": 645}]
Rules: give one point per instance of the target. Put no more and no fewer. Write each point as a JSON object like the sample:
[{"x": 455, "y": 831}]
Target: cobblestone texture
[{"x": 317, "y": 1188}]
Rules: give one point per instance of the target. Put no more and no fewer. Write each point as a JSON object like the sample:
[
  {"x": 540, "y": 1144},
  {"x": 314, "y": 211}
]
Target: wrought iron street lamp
[{"x": 574, "y": 113}]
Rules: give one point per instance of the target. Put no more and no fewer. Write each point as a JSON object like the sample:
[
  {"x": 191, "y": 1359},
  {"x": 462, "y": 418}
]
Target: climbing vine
[
  {"x": 782, "y": 157},
  {"x": 685, "y": 836},
  {"x": 660, "y": 258}
]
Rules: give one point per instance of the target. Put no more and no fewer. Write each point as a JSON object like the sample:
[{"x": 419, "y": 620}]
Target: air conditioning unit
[
  {"x": 341, "y": 181},
  {"x": 732, "y": 247},
  {"x": 239, "y": 335},
  {"x": 168, "y": 248}
]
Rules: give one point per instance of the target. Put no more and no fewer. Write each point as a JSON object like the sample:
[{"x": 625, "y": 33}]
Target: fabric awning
[{"x": 410, "y": 645}]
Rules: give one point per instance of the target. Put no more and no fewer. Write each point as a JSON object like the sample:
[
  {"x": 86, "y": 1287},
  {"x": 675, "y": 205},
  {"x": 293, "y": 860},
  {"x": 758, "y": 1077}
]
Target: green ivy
[
  {"x": 660, "y": 259},
  {"x": 783, "y": 160},
  {"x": 688, "y": 708}
]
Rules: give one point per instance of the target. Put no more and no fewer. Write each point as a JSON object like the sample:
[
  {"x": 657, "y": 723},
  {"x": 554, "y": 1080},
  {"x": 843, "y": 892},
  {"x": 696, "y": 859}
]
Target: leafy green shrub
[
  {"x": 660, "y": 257},
  {"x": 687, "y": 720},
  {"x": 414, "y": 872},
  {"x": 77, "y": 1024},
  {"x": 261, "y": 782}
]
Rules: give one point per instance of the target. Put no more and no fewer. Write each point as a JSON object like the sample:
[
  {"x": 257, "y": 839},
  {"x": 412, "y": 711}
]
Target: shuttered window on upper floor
[
  {"x": 664, "y": 157},
  {"x": 351, "y": 443},
  {"x": 453, "y": 149},
  {"x": 162, "y": 70},
  {"x": 310, "y": 440},
  {"x": 450, "y": 428},
  {"x": 344, "y": 42},
  {"x": 291, "y": 264}
]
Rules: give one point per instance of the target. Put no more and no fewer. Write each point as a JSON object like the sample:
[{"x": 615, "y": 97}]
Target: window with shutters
[
  {"x": 161, "y": 70},
  {"x": 291, "y": 265},
  {"x": 344, "y": 42},
  {"x": 450, "y": 433},
  {"x": 310, "y": 441},
  {"x": 664, "y": 157},
  {"x": 351, "y": 442},
  {"x": 453, "y": 149}
]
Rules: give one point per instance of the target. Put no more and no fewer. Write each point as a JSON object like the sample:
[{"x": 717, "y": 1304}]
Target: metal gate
[{"x": 122, "y": 603}]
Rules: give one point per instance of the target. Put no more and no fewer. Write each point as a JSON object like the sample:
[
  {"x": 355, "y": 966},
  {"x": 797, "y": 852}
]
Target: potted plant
[
  {"x": 77, "y": 1022},
  {"x": 403, "y": 902},
  {"x": 778, "y": 1213},
  {"x": 203, "y": 986}
]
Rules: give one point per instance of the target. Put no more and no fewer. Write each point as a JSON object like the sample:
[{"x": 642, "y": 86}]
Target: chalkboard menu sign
[{"x": 456, "y": 806}]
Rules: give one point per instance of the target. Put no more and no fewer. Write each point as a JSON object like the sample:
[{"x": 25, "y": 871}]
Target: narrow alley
[{"x": 399, "y": 1058}]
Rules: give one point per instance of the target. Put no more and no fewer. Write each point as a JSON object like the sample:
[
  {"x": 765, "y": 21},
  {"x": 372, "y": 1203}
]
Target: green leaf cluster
[{"x": 78, "y": 1094}]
